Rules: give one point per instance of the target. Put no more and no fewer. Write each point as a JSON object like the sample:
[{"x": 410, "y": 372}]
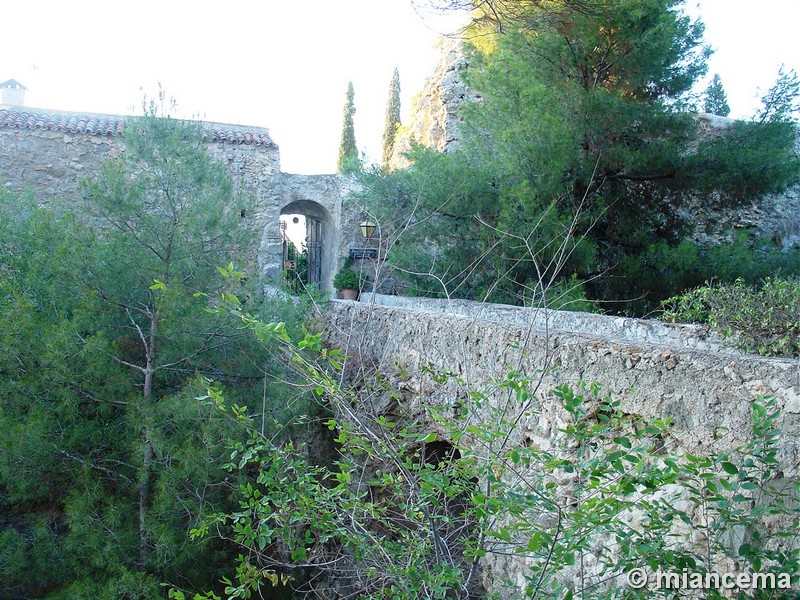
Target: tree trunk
[
  {"x": 144, "y": 499},
  {"x": 145, "y": 476}
]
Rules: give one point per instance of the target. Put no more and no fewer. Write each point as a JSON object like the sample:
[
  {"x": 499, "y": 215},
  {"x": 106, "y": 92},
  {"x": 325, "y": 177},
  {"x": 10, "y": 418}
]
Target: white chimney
[{"x": 12, "y": 92}]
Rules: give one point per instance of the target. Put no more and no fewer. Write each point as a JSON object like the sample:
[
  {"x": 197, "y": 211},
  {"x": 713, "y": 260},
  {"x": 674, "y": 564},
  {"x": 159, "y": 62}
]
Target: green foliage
[
  {"x": 456, "y": 232},
  {"x": 107, "y": 457},
  {"x": 763, "y": 319},
  {"x": 348, "y": 279},
  {"x": 305, "y": 523},
  {"x": 575, "y": 498},
  {"x": 715, "y": 101},
  {"x": 755, "y": 159},
  {"x": 644, "y": 281},
  {"x": 577, "y": 161},
  {"x": 296, "y": 280},
  {"x": 750, "y": 261},
  {"x": 410, "y": 510},
  {"x": 392, "y": 118},
  {"x": 780, "y": 103},
  {"x": 348, "y": 152}
]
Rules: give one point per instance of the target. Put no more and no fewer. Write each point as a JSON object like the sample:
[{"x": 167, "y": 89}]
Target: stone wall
[
  {"x": 49, "y": 164},
  {"x": 47, "y": 153},
  {"x": 655, "y": 370},
  {"x": 318, "y": 196}
]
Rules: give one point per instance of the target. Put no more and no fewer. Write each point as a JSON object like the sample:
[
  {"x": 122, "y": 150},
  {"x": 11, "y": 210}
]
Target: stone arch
[{"x": 321, "y": 236}]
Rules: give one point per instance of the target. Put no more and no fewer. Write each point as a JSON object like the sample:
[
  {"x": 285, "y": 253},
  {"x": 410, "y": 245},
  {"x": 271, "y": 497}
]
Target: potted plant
[{"x": 348, "y": 282}]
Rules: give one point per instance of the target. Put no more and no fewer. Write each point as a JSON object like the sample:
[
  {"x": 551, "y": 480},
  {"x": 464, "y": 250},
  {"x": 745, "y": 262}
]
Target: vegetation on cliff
[
  {"x": 715, "y": 101},
  {"x": 578, "y": 158}
]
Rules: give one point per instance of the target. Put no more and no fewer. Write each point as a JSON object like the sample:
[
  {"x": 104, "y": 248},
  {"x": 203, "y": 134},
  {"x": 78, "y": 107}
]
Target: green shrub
[
  {"x": 641, "y": 282},
  {"x": 750, "y": 259},
  {"x": 347, "y": 279},
  {"x": 763, "y": 319}
]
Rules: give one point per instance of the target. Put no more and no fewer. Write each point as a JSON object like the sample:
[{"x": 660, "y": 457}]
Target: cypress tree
[
  {"x": 716, "y": 102},
  {"x": 348, "y": 153},
  {"x": 392, "y": 118}
]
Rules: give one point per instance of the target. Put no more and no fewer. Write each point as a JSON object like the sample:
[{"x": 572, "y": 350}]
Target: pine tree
[
  {"x": 392, "y": 118},
  {"x": 780, "y": 103},
  {"x": 581, "y": 124},
  {"x": 716, "y": 102},
  {"x": 348, "y": 153},
  {"x": 106, "y": 335}
]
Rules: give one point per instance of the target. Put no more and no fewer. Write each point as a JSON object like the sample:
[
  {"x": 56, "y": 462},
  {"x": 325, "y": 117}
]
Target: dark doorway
[
  {"x": 314, "y": 250},
  {"x": 308, "y": 246}
]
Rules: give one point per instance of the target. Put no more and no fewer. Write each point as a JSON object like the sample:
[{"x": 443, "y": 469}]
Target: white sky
[{"x": 284, "y": 64}]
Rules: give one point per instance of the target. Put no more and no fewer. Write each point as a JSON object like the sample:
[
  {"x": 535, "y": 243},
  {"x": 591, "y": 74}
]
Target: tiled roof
[
  {"x": 62, "y": 121},
  {"x": 97, "y": 124},
  {"x": 233, "y": 134}
]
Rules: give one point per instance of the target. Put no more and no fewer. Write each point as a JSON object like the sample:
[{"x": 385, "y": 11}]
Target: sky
[{"x": 285, "y": 64}]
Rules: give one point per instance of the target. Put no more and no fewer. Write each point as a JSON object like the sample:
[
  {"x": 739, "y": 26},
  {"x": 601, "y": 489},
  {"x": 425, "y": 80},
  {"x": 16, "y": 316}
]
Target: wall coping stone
[{"x": 649, "y": 331}]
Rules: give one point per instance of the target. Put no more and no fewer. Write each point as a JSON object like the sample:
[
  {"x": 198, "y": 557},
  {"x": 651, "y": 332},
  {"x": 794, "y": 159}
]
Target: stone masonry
[
  {"x": 46, "y": 153},
  {"x": 655, "y": 370}
]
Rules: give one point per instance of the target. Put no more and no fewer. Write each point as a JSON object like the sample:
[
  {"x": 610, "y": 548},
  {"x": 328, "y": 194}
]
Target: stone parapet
[
  {"x": 673, "y": 335},
  {"x": 706, "y": 390}
]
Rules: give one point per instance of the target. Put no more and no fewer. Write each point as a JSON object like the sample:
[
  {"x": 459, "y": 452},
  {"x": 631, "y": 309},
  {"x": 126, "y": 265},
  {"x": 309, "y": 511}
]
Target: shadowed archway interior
[{"x": 316, "y": 251}]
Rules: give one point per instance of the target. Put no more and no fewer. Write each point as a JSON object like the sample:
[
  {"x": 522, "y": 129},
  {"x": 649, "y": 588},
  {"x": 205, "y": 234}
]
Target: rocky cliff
[{"x": 435, "y": 120}]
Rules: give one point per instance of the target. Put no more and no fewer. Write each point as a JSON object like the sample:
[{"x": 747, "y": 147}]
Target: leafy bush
[
  {"x": 750, "y": 260},
  {"x": 640, "y": 283},
  {"x": 763, "y": 319},
  {"x": 347, "y": 279}
]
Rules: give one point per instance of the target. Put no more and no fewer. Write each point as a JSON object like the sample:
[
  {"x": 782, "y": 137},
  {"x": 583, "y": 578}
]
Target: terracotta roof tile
[
  {"x": 111, "y": 125},
  {"x": 67, "y": 122},
  {"x": 236, "y": 135}
]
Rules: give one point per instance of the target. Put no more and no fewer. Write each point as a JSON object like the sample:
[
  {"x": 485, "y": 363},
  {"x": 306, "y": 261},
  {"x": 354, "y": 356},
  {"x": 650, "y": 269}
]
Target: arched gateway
[{"x": 307, "y": 230}]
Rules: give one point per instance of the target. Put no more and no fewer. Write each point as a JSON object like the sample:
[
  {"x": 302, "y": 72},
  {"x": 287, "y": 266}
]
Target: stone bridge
[{"x": 656, "y": 369}]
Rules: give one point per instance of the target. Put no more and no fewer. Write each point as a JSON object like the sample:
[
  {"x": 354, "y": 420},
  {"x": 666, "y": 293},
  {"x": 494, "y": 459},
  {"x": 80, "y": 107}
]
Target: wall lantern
[{"x": 367, "y": 228}]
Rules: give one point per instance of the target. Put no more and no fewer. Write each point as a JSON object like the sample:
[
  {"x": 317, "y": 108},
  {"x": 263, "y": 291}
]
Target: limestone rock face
[
  {"x": 775, "y": 216},
  {"x": 435, "y": 120}
]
